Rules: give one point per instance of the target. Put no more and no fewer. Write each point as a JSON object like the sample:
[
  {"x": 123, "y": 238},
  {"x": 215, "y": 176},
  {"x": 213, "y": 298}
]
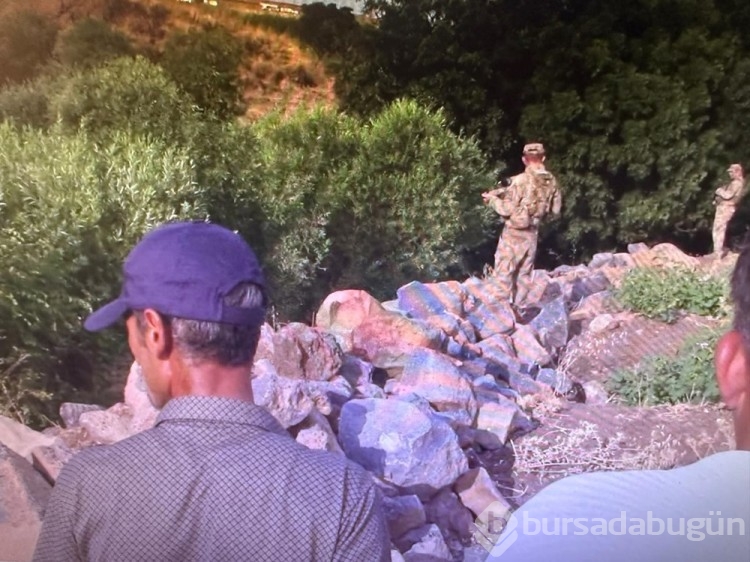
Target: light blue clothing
[{"x": 628, "y": 516}]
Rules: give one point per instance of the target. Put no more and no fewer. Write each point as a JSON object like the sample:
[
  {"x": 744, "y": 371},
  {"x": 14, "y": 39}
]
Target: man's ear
[
  {"x": 158, "y": 335},
  {"x": 732, "y": 374}
]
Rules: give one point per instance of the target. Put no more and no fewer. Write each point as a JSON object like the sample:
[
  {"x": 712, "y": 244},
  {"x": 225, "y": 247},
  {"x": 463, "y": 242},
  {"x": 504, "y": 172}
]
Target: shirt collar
[{"x": 223, "y": 410}]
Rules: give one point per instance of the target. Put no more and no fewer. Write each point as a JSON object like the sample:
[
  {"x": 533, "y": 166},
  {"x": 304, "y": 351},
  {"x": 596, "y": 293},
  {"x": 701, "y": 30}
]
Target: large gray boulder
[
  {"x": 434, "y": 377},
  {"x": 425, "y": 544},
  {"x": 288, "y": 400},
  {"x": 420, "y": 300},
  {"x": 403, "y": 443},
  {"x": 300, "y": 351},
  {"x": 23, "y": 497},
  {"x": 551, "y": 325}
]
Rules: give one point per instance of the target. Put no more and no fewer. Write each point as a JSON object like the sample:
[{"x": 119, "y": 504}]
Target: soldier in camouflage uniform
[
  {"x": 523, "y": 204},
  {"x": 726, "y": 199}
]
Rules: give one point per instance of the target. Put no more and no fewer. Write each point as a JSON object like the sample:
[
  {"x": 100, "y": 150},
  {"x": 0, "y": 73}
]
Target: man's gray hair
[{"x": 225, "y": 344}]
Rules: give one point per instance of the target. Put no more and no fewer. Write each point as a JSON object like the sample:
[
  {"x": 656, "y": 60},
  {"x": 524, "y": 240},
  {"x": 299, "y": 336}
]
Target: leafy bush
[
  {"x": 688, "y": 377},
  {"x": 205, "y": 64},
  {"x": 665, "y": 293},
  {"x": 124, "y": 94},
  {"x": 70, "y": 210},
  {"x": 91, "y": 42}
]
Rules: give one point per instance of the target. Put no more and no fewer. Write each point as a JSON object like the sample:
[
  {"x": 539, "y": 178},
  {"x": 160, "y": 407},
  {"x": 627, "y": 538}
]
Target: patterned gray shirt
[{"x": 215, "y": 479}]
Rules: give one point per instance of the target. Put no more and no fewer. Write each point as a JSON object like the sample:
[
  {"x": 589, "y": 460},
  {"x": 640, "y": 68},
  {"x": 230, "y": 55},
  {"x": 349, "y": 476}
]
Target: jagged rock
[
  {"x": 551, "y": 325},
  {"x": 592, "y": 306},
  {"x": 425, "y": 544},
  {"x": 70, "y": 412},
  {"x": 492, "y": 318},
  {"x": 477, "y": 490},
  {"x": 488, "y": 383},
  {"x": 582, "y": 287},
  {"x": 314, "y": 432},
  {"x": 602, "y": 323},
  {"x": 527, "y": 346},
  {"x": 396, "y": 556},
  {"x": 557, "y": 381},
  {"x": 262, "y": 367},
  {"x": 403, "y": 513},
  {"x": 50, "y": 460},
  {"x": 300, "y": 351},
  {"x": 265, "y": 343},
  {"x": 636, "y": 248},
  {"x": 288, "y": 400},
  {"x": 329, "y": 396},
  {"x": 343, "y": 311},
  {"x": 446, "y": 511},
  {"x": 435, "y": 378},
  {"x": 387, "y": 339},
  {"x": 506, "y": 369},
  {"x": 469, "y": 437},
  {"x": 665, "y": 255},
  {"x": 137, "y": 399},
  {"x": 23, "y": 497},
  {"x": 498, "y": 346},
  {"x": 595, "y": 393},
  {"x": 402, "y": 443},
  {"x": 501, "y": 418},
  {"x": 420, "y": 300},
  {"x": 453, "y": 326},
  {"x": 369, "y": 390},
  {"x": 602, "y": 259},
  {"x": 21, "y": 439},
  {"x": 111, "y": 425},
  {"x": 355, "y": 370}
]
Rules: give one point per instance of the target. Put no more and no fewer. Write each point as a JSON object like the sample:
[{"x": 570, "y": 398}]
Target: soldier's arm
[
  {"x": 557, "y": 201},
  {"x": 729, "y": 191}
]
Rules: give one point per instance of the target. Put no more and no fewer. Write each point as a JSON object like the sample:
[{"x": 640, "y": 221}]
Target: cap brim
[{"x": 105, "y": 316}]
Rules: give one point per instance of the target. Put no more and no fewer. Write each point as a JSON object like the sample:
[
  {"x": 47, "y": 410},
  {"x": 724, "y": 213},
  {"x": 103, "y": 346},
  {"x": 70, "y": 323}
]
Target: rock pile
[{"x": 408, "y": 389}]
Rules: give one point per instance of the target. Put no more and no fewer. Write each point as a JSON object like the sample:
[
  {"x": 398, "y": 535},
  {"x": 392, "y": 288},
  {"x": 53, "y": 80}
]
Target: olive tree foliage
[
  {"x": 125, "y": 94},
  {"x": 90, "y": 42},
  {"x": 70, "y": 210},
  {"x": 205, "y": 63}
]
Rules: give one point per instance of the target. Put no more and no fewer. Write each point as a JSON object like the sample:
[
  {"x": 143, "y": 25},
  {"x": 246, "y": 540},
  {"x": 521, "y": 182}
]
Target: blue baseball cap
[{"x": 185, "y": 269}]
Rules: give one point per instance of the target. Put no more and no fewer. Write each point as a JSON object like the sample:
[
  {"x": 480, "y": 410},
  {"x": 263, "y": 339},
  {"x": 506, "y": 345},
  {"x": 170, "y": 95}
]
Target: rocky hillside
[{"x": 452, "y": 400}]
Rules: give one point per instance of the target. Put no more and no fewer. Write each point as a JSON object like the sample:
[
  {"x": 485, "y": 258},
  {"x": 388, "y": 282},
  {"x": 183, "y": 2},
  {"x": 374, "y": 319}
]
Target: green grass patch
[
  {"x": 686, "y": 378},
  {"x": 665, "y": 294}
]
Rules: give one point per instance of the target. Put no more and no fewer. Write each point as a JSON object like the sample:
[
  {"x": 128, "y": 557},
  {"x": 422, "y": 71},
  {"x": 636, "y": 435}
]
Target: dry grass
[{"x": 583, "y": 449}]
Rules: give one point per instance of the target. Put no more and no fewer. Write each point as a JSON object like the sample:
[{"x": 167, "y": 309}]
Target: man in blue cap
[{"x": 217, "y": 478}]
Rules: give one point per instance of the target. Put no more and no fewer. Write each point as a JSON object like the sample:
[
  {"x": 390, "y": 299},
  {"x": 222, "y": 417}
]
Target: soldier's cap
[
  {"x": 534, "y": 149},
  {"x": 734, "y": 167}
]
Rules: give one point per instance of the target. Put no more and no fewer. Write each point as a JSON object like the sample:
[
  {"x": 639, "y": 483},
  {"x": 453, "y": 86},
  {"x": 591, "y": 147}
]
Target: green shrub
[
  {"x": 666, "y": 293},
  {"x": 688, "y": 377},
  {"x": 70, "y": 210},
  {"x": 91, "y": 42},
  {"x": 124, "y": 94},
  {"x": 205, "y": 64}
]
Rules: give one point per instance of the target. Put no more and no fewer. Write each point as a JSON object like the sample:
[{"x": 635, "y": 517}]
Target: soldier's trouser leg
[
  {"x": 512, "y": 257},
  {"x": 721, "y": 220},
  {"x": 528, "y": 238}
]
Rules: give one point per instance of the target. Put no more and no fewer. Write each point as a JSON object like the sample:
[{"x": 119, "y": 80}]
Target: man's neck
[{"x": 211, "y": 379}]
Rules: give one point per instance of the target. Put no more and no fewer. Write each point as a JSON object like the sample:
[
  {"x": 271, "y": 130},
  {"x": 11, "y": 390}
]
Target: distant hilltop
[{"x": 356, "y": 6}]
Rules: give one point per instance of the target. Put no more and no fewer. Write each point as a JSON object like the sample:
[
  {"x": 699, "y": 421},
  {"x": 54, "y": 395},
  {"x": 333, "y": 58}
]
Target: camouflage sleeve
[
  {"x": 730, "y": 192},
  {"x": 557, "y": 200}
]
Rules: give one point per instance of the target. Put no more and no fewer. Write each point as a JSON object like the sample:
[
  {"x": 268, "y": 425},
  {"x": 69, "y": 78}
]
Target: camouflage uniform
[
  {"x": 726, "y": 200},
  {"x": 530, "y": 197}
]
